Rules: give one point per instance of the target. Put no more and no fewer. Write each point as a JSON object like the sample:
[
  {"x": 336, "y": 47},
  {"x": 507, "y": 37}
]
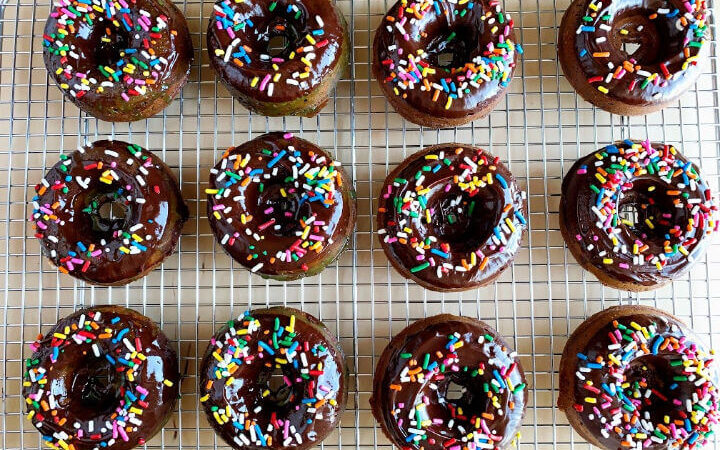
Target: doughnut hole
[
  {"x": 452, "y": 46},
  {"x": 96, "y": 388},
  {"x": 464, "y": 222},
  {"x": 656, "y": 373},
  {"x": 109, "y": 47},
  {"x": 280, "y": 393},
  {"x": 283, "y": 33},
  {"x": 649, "y": 214},
  {"x": 649, "y": 42},
  {"x": 109, "y": 214},
  {"x": 283, "y": 209}
]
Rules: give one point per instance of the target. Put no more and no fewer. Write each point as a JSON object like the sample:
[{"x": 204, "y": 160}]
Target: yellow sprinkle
[
  {"x": 603, "y": 89},
  {"x": 510, "y": 224},
  {"x": 167, "y": 383},
  {"x": 590, "y": 400},
  {"x": 254, "y": 81},
  {"x": 607, "y": 261}
]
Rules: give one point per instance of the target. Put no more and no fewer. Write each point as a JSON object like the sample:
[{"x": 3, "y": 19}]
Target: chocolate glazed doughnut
[
  {"x": 637, "y": 377},
  {"x": 103, "y": 377},
  {"x": 636, "y": 214},
  {"x": 108, "y": 213},
  {"x": 118, "y": 60},
  {"x": 279, "y": 57},
  {"x": 413, "y": 398},
  {"x": 633, "y": 57},
  {"x": 451, "y": 217},
  {"x": 274, "y": 378},
  {"x": 281, "y": 206},
  {"x": 442, "y": 63}
]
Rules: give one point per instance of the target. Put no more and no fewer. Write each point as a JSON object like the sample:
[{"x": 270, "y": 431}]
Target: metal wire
[{"x": 539, "y": 130}]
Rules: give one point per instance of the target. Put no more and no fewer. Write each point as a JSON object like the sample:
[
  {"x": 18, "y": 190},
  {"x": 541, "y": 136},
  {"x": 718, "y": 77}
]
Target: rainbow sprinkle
[
  {"x": 114, "y": 342},
  {"x": 266, "y": 343},
  {"x": 406, "y": 210},
  {"x": 310, "y": 180},
  {"x": 119, "y": 174},
  {"x": 613, "y": 175},
  {"x": 622, "y": 404},
  {"x": 137, "y": 68},
  {"x": 459, "y": 427},
  {"x": 594, "y": 42},
  {"x": 408, "y": 70}
]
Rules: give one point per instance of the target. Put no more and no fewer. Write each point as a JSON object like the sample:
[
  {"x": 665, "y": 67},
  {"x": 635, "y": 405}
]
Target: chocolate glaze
[
  {"x": 76, "y": 220},
  {"x": 660, "y": 40},
  {"x": 428, "y": 336},
  {"x": 172, "y": 43},
  {"x": 578, "y": 219},
  {"x": 468, "y": 234},
  {"x": 88, "y": 389},
  {"x": 286, "y": 99},
  {"x": 252, "y": 378},
  {"x": 429, "y": 34},
  {"x": 591, "y": 340},
  {"x": 249, "y": 200}
]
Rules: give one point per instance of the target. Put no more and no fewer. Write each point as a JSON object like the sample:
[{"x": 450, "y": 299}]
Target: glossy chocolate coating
[
  {"x": 76, "y": 220},
  {"x": 87, "y": 390},
  {"x": 429, "y": 34},
  {"x": 426, "y": 337},
  {"x": 247, "y": 392},
  {"x": 289, "y": 211},
  {"x": 578, "y": 219},
  {"x": 327, "y": 63},
  {"x": 591, "y": 339},
  {"x": 467, "y": 234},
  {"x": 172, "y": 44},
  {"x": 659, "y": 41}
]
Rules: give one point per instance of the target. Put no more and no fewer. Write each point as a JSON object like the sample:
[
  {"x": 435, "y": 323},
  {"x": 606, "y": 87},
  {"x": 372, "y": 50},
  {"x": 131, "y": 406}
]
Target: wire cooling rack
[{"x": 539, "y": 130}]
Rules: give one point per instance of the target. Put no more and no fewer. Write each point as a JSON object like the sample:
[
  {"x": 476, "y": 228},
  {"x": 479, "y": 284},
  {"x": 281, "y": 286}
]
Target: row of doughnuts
[
  {"x": 451, "y": 217},
  {"x": 439, "y": 63},
  {"x": 630, "y": 377}
]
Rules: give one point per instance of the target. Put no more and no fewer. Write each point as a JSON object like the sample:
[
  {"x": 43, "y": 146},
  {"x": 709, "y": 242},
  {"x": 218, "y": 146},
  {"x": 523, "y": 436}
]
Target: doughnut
[
  {"x": 449, "y": 383},
  {"x": 636, "y": 214},
  {"x": 281, "y": 206},
  {"x": 108, "y": 213},
  {"x": 279, "y": 57},
  {"x": 451, "y": 217},
  {"x": 630, "y": 57},
  {"x": 274, "y": 378},
  {"x": 118, "y": 60},
  {"x": 102, "y": 377},
  {"x": 444, "y": 64},
  {"x": 637, "y": 377}
]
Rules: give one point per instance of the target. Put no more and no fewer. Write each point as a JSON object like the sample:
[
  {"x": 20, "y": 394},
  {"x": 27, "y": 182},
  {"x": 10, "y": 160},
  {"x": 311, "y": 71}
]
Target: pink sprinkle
[
  {"x": 264, "y": 82},
  {"x": 123, "y": 434},
  {"x": 287, "y": 135},
  {"x": 217, "y": 207},
  {"x": 125, "y": 97}
]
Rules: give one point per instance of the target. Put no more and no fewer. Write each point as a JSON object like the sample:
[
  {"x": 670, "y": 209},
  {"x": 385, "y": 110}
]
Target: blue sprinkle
[
  {"x": 260, "y": 436},
  {"x": 439, "y": 253},
  {"x": 502, "y": 181},
  {"x": 276, "y": 159},
  {"x": 266, "y": 347}
]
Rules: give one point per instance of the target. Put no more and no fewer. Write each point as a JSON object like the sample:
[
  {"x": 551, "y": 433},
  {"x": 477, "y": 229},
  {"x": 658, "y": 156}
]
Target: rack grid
[{"x": 538, "y": 130}]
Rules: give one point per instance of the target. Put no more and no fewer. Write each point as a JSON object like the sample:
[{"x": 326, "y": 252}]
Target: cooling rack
[{"x": 539, "y": 130}]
